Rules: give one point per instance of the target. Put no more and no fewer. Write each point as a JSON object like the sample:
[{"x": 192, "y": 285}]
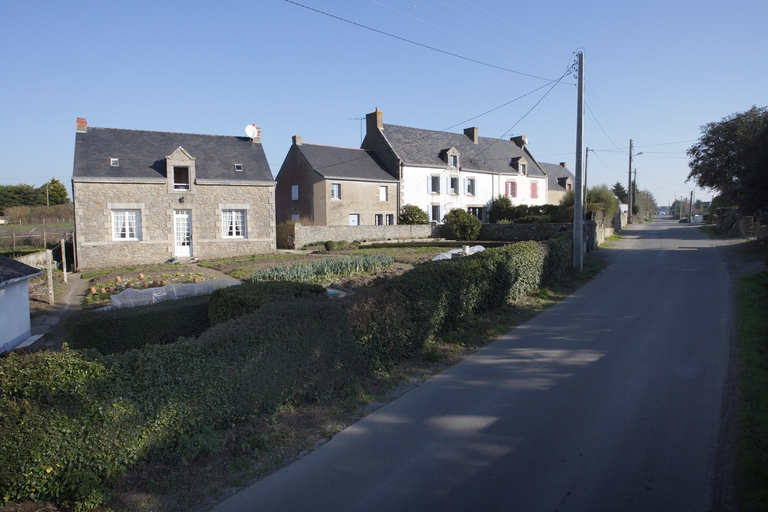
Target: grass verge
[{"x": 752, "y": 328}]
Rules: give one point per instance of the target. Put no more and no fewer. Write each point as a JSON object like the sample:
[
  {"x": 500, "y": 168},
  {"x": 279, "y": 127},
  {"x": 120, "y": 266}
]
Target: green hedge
[
  {"x": 118, "y": 330},
  {"x": 73, "y": 422},
  {"x": 235, "y": 301}
]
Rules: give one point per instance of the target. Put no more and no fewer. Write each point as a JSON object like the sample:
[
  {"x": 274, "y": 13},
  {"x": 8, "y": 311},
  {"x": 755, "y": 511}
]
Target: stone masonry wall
[
  {"x": 304, "y": 235},
  {"x": 94, "y": 202}
]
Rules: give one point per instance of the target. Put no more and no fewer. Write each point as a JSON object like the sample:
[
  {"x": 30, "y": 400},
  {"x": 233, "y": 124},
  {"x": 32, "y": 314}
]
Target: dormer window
[
  {"x": 181, "y": 178},
  {"x": 114, "y": 162},
  {"x": 454, "y": 160},
  {"x": 451, "y": 157},
  {"x": 238, "y": 167}
]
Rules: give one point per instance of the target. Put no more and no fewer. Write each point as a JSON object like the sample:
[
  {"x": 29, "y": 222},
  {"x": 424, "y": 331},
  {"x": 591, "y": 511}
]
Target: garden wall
[{"x": 305, "y": 235}]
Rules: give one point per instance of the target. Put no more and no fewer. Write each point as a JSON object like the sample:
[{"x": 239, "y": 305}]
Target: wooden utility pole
[
  {"x": 64, "y": 258},
  {"x": 50, "y": 277},
  {"x": 629, "y": 186},
  {"x": 578, "y": 199}
]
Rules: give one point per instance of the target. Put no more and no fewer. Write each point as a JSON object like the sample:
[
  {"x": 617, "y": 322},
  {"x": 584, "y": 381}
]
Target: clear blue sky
[{"x": 655, "y": 72}]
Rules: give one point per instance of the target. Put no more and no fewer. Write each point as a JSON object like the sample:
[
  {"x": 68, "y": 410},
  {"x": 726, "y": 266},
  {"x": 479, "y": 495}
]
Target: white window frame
[
  {"x": 234, "y": 223},
  {"x": 336, "y": 191},
  {"x": 294, "y": 192},
  {"x": 453, "y": 160},
  {"x": 383, "y": 193},
  {"x": 471, "y": 187},
  {"x": 114, "y": 162},
  {"x": 180, "y": 185},
  {"x": 238, "y": 167},
  {"x": 126, "y": 225},
  {"x": 510, "y": 189},
  {"x": 523, "y": 167},
  {"x": 434, "y": 184}
]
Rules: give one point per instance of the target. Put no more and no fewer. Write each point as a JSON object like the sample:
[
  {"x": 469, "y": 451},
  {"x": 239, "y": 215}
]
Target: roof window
[
  {"x": 114, "y": 162},
  {"x": 239, "y": 167}
]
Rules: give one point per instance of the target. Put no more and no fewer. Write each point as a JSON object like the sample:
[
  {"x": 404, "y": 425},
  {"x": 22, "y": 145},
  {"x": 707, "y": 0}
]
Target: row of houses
[{"x": 149, "y": 197}]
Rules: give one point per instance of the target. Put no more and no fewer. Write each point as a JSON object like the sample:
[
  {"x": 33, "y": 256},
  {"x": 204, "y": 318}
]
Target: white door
[
  {"x": 354, "y": 219},
  {"x": 182, "y": 221}
]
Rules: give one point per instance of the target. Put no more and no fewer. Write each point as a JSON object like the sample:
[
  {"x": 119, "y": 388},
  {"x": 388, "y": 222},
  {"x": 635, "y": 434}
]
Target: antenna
[
  {"x": 361, "y": 119},
  {"x": 251, "y": 131}
]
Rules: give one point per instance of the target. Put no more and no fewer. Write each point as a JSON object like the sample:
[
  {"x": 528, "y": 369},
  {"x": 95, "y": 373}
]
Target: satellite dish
[{"x": 251, "y": 131}]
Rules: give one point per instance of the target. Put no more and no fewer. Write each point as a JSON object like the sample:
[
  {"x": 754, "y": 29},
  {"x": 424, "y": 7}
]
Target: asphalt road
[{"x": 610, "y": 400}]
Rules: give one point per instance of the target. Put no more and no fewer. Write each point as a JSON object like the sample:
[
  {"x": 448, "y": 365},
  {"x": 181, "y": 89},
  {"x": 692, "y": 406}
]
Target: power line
[{"x": 468, "y": 59}]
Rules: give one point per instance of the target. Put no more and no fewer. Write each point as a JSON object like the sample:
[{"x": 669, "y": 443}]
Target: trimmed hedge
[
  {"x": 235, "y": 301},
  {"x": 119, "y": 330},
  {"x": 72, "y": 422}
]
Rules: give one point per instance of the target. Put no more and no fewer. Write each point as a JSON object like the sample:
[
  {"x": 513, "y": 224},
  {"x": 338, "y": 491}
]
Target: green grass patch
[
  {"x": 712, "y": 232},
  {"x": 20, "y": 250},
  {"x": 752, "y": 328}
]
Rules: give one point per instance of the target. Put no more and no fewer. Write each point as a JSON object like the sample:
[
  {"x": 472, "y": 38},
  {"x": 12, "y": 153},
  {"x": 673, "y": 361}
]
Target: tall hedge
[
  {"x": 119, "y": 330},
  {"x": 235, "y": 301},
  {"x": 72, "y": 422}
]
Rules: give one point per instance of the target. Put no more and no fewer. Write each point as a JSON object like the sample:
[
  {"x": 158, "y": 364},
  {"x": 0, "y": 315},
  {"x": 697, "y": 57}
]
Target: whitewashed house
[
  {"x": 440, "y": 171},
  {"x": 14, "y": 303}
]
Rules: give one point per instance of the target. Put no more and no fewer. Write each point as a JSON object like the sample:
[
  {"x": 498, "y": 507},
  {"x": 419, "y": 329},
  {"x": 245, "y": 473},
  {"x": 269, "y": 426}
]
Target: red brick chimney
[{"x": 82, "y": 124}]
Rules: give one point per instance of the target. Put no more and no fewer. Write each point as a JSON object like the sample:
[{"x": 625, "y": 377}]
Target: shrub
[
  {"x": 330, "y": 245},
  {"x": 236, "y": 301},
  {"x": 72, "y": 422},
  {"x": 411, "y": 214},
  {"x": 501, "y": 209},
  {"x": 119, "y": 330},
  {"x": 462, "y": 225},
  {"x": 534, "y": 219}
]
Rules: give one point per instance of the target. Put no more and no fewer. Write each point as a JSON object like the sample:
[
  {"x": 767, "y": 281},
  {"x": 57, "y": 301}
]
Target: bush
[
  {"x": 411, "y": 214},
  {"x": 330, "y": 245},
  {"x": 236, "y": 301},
  {"x": 119, "y": 330},
  {"x": 534, "y": 219},
  {"x": 72, "y": 423},
  {"x": 462, "y": 225},
  {"x": 501, "y": 209}
]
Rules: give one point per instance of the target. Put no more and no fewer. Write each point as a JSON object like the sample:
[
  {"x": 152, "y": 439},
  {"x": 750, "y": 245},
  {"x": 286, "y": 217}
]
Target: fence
[{"x": 33, "y": 238}]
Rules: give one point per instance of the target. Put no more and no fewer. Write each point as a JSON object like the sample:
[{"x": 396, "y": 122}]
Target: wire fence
[{"x": 12, "y": 239}]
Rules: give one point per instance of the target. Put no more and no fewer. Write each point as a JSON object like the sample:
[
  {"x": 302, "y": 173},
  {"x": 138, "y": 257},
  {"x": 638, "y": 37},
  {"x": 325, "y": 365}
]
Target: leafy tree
[
  {"x": 620, "y": 192},
  {"x": 462, "y": 224},
  {"x": 646, "y": 204},
  {"x": 731, "y": 156},
  {"x": 605, "y": 196},
  {"x": 501, "y": 209},
  {"x": 56, "y": 193},
  {"x": 412, "y": 214}
]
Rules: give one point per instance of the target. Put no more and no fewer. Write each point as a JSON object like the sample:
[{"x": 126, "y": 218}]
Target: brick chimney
[
  {"x": 374, "y": 121},
  {"x": 82, "y": 124},
  {"x": 520, "y": 141},
  {"x": 472, "y": 133},
  {"x": 256, "y": 134},
  {"x": 297, "y": 140}
]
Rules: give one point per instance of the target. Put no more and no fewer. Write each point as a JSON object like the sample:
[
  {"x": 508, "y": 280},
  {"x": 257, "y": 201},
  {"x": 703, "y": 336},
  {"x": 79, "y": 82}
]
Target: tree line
[{"x": 51, "y": 193}]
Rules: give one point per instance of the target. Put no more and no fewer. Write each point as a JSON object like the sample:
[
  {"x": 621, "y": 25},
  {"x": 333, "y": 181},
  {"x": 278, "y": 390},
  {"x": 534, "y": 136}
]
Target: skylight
[{"x": 239, "y": 167}]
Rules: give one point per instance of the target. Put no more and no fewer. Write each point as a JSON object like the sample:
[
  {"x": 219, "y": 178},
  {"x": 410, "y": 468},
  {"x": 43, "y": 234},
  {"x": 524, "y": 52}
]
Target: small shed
[{"x": 14, "y": 303}]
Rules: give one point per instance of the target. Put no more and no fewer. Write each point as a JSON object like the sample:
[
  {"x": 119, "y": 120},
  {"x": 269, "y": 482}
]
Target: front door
[{"x": 182, "y": 221}]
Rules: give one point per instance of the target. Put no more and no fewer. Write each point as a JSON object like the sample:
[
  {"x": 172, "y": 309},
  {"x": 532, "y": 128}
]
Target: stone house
[
  {"x": 333, "y": 186},
  {"x": 559, "y": 181},
  {"x": 144, "y": 197},
  {"x": 14, "y": 304},
  {"x": 439, "y": 171}
]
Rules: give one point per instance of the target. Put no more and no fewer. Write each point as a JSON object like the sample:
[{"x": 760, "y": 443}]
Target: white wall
[
  {"x": 416, "y": 189},
  {"x": 14, "y": 315}
]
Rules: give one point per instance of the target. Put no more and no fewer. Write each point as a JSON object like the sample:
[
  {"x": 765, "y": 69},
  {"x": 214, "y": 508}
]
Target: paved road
[{"x": 610, "y": 400}]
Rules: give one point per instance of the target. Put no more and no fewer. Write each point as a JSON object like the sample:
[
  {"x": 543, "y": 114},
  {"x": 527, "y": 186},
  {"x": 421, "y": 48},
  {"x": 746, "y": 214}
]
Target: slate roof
[
  {"x": 142, "y": 155},
  {"x": 555, "y": 171},
  {"x": 12, "y": 270},
  {"x": 345, "y": 163},
  {"x": 419, "y": 147}
]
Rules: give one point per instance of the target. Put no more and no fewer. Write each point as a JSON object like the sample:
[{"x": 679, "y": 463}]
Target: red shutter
[{"x": 534, "y": 189}]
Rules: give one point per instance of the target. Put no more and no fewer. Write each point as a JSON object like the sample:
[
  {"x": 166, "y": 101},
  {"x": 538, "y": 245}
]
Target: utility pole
[
  {"x": 578, "y": 199},
  {"x": 47, "y": 200},
  {"x": 690, "y": 209},
  {"x": 629, "y": 187},
  {"x": 634, "y": 191}
]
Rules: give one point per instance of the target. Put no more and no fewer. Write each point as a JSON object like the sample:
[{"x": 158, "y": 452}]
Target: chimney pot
[
  {"x": 82, "y": 124},
  {"x": 473, "y": 134},
  {"x": 297, "y": 140}
]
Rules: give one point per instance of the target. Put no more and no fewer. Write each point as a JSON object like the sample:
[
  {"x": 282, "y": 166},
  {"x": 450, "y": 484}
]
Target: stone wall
[
  {"x": 94, "y": 202},
  {"x": 304, "y": 235},
  {"x": 517, "y": 232},
  {"x": 749, "y": 227}
]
